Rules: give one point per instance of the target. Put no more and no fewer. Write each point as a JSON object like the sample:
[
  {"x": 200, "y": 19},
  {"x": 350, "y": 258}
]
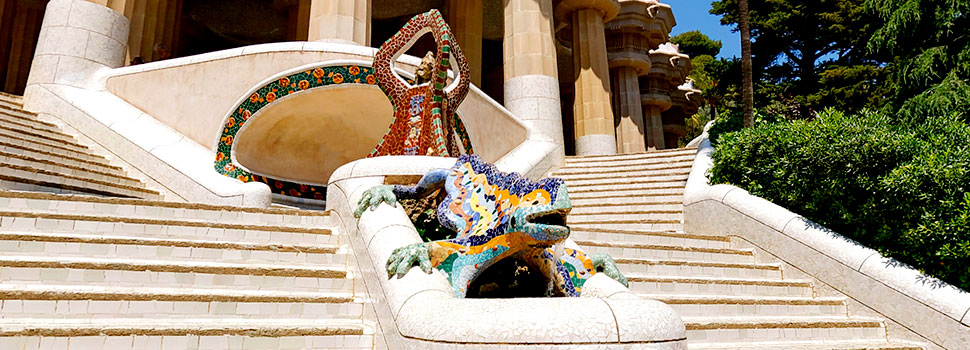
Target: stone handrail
[
  {"x": 419, "y": 310},
  {"x": 69, "y": 85},
  {"x": 937, "y": 311}
]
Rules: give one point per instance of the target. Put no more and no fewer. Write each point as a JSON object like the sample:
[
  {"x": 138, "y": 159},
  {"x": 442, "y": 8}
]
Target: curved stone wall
[{"x": 937, "y": 311}]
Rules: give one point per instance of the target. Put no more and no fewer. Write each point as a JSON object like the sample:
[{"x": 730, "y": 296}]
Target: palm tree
[{"x": 747, "y": 79}]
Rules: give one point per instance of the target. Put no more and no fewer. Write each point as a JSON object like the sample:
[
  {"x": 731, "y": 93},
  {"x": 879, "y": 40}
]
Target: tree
[
  {"x": 747, "y": 77},
  {"x": 696, "y": 44},
  {"x": 930, "y": 42},
  {"x": 793, "y": 43}
]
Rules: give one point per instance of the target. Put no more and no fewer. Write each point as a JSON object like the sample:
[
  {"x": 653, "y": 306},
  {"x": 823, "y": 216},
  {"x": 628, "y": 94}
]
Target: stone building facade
[{"x": 598, "y": 76}]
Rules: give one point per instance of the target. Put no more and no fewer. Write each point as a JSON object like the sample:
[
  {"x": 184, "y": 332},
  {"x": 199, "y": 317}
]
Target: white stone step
[
  {"x": 626, "y": 224},
  {"x": 626, "y": 171},
  {"x": 604, "y": 196},
  {"x": 144, "y": 209},
  {"x": 61, "y": 157},
  {"x": 587, "y": 208},
  {"x": 654, "y": 180},
  {"x": 101, "y": 185},
  {"x": 668, "y": 252},
  {"x": 652, "y": 267},
  {"x": 223, "y": 333},
  {"x": 27, "y": 118},
  {"x": 83, "y": 301},
  {"x": 13, "y": 135},
  {"x": 647, "y": 155},
  {"x": 36, "y": 269},
  {"x": 674, "y": 215},
  {"x": 39, "y": 221},
  {"x": 693, "y": 305},
  {"x": 590, "y": 200},
  {"x": 810, "y": 345},
  {"x": 25, "y": 141},
  {"x": 52, "y": 165},
  {"x": 593, "y": 162},
  {"x": 24, "y": 127},
  {"x": 622, "y": 185},
  {"x": 11, "y": 103},
  {"x": 650, "y": 237},
  {"x": 133, "y": 247},
  {"x": 754, "y": 329},
  {"x": 719, "y": 286}
]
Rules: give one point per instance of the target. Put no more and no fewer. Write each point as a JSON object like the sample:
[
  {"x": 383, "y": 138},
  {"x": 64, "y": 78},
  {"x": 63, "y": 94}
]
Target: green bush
[{"x": 903, "y": 189}]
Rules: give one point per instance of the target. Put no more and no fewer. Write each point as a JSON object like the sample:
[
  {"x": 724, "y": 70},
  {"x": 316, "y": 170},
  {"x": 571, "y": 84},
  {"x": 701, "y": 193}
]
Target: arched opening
[{"x": 305, "y": 136}]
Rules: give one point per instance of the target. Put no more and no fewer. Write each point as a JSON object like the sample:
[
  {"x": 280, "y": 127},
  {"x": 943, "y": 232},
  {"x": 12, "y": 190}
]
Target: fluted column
[
  {"x": 592, "y": 112},
  {"x": 340, "y": 20},
  {"x": 531, "y": 82},
  {"x": 630, "y": 127},
  {"x": 465, "y": 20}
]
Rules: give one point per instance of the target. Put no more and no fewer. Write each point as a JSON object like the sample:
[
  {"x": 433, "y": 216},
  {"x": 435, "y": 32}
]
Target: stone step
[
  {"x": 642, "y": 224},
  {"x": 591, "y": 207},
  {"x": 624, "y": 171},
  {"x": 755, "y": 329},
  {"x": 688, "y": 305},
  {"x": 604, "y": 196},
  {"x": 52, "y": 222},
  {"x": 593, "y": 162},
  {"x": 8, "y": 132},
  {"x": 654, "y": 267},
  {"x": 624, "y": 185},
  {"x": 54, "y": 179},
  {"x": 27, "y": 117},
  {"x": 665, "y": 252},
  {"x": 61, "y": 158},
  {"x": 719, "y": 286},
  {"x": 37, "y": 269},
  {"x": 591, "y": 200},
  {"x": 133, "y": 247},
  {"x": 222, "y": 333},
  {"x": 82, "y": 301},
  {"x": 44, "y": 133},
  {"x": 42, "y": 145},
  {"x": 649, "y": 155},
  {"x": 50, "y": 165},
  {"x": 656, "y": 180},
  {"x": 674, "y": 238},
  {"x": 11, "y": 101},
  {"x": 810, "y": 345},
  {"x": 146, "y": 209},
  {"x": 673, "y": 215}
]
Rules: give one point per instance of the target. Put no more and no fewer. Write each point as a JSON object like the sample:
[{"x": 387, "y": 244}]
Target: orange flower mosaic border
[{"x": 269, "y": 93}]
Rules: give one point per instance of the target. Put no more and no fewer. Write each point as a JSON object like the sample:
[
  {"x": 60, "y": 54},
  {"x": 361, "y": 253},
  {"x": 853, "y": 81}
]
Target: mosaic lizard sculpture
[
  {"x": 425, "y": 122},
  {"x": 495, "y": 215}
]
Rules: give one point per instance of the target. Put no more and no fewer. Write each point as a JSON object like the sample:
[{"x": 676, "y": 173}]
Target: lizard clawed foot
[
  {"x": 373, "y": 197},
  {"x": 404, "y": 257}
]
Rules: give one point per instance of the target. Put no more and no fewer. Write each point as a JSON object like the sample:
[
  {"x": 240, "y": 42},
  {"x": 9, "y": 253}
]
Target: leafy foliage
[
  {"x": 930, "y": 41},
  {"x": 694, "y": 44},
  {"x": 901, "y": 188}
]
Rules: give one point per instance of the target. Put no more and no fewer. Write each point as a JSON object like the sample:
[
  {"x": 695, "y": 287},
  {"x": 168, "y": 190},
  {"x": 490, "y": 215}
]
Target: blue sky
[{"x": 694, "y": 15}]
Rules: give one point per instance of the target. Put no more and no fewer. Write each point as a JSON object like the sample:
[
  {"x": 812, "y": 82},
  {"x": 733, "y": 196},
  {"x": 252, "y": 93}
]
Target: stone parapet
[
  {"x": 419, "y": 311},
  {"x": 935, "y": 310}
]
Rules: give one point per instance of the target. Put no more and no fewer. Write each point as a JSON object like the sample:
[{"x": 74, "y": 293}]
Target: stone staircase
[
  {"x": 36, "y": 155},
  {"x": 90, "y": 273},
  {"x": 90, "y": 260},
  {"x": 729, "y": 296}
]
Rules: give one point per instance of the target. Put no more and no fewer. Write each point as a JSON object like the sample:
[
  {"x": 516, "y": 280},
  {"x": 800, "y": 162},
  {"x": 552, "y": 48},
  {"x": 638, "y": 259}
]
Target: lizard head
[{"x": 541, "y": 213}]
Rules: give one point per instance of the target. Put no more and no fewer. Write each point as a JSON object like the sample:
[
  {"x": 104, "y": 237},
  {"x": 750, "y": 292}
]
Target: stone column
[
  {"x": 531, "y": 82},
  {"x": 630, "y": 127},
  {"x": 70, "y": 52},
  {"x": 346, "y": 21},
  {"x": 592, "y": 113},
  {"x": 465, "y": 20},
  {"x": 655, "y": 101}
]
